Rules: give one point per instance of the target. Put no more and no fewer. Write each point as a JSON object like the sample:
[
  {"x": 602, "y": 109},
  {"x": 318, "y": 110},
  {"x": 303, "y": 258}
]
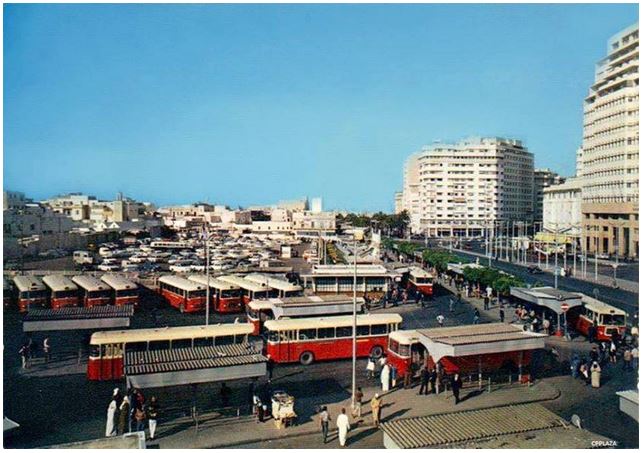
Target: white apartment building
[
  {"x": 543, "y": 178},
  {"x": 399, "y": 203},
  {"x": 411, "y": 192},
  {"x": 462, "y": 188},
  {"x": 610, "y": 161},
  {"x": 562, "y": 207},
  {"x": 314, "y": 222}
]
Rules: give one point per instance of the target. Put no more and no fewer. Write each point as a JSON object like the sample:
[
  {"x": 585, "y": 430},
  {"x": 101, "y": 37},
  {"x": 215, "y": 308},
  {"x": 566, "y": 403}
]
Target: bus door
[
  {"x": 107, "y": 359},
  {"x": 287, "y": 344}
]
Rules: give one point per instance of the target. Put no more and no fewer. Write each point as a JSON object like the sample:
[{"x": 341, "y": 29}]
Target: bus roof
[
  {"x": 181, "y": 283},
  {"x": 332, "y": 321},
  {"x": 214, "y": 282},
  {"x": 118, "y": 282},
  {"x": 405, "y": 336},
  {"x": 601, "y": 307},
  {"x": 89, "y": 283},
  {"x": 418, "y": 272},
  {"x": 28, "y": 283},
  {"x": 245, "y": 284},
  {"x": 276, "y": 283},
  {"x": 304, "y": 300},
  {"x": 170, "y": 333},
  {"x": 346, "y": 270},
  {"x": 59, "y": 283}
]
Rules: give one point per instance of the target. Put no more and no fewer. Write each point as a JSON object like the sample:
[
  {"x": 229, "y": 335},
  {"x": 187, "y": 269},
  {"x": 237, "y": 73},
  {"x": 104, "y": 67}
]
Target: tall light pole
[
  {"x": 354, "y": 321},
  {"x": 207, "y": 276}
]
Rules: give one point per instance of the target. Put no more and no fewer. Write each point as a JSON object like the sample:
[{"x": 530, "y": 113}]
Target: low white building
[{"x": 562, "y": 207}]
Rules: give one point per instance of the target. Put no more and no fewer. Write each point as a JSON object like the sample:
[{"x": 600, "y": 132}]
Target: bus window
[
  {"x": 343, "y": 332},
  {"x": 327, "y": 332},
  {"x": 138, "y": 346},
  {"x": 613, "y": 320},
  {"x": 363, "y": 331},
  {"x": 589, "y": 314},
  {"x": 284, "y": 336},
  {"x": 273, "y": 336},
  {"x": 405, "y": 350},
  {"x": 203, "y": 341},
  {"x": 393, "y": 346},
  {"x": 224, "y": 340},
  {"x": 378, "y": 329},
  {"x": 159, "y": 345},
  {"x": 94, "y": 350},
  {"x": 106, "y": 350},
  {"x": 117, "y": 350},
  {"x": 307, "y": 334},
  {"x": 183, "y": 343}
]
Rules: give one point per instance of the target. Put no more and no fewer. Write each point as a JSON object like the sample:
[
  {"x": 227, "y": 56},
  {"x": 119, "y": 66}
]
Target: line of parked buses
[{"x": 294, "y": 327}]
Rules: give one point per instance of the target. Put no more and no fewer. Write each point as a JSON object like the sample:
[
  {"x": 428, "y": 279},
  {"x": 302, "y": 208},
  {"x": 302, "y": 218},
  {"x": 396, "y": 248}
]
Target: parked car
[{"x": 534, "y": 270}]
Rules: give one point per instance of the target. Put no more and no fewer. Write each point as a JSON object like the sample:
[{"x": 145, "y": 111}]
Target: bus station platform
[
  {"x": 164, "y": 368},
  {"x": 78, "y": 318},
  {"x": 515, "y": 426}
]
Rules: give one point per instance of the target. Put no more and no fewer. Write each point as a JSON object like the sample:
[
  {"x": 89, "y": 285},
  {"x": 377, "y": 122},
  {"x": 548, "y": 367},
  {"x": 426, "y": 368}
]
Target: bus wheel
[
  {"x": 306, "y": 358},
  {"x": 377, "y": 352}
]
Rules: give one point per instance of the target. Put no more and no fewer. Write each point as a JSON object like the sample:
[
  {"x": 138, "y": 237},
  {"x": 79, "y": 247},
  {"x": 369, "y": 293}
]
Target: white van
[{"x": 83, "y": 257}]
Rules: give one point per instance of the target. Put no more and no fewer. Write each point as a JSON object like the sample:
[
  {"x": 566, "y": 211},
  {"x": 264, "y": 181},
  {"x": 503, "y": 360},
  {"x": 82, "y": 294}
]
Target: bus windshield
[{"x": 614, "y": 320}]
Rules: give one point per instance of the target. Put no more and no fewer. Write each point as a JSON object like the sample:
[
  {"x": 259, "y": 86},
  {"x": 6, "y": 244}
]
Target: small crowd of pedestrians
[
  {"x": 131, "y": 413},
  {"x": 29, "y": 350},
  {"x": 343, "y": 423}
]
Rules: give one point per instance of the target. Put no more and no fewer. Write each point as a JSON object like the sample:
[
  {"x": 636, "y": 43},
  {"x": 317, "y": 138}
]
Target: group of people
[
  {"x": 387, "y": 372},
  {"x": 343, "y": 423},
  {"x": 29, "y": 350},
  {"x": 129, "y": 413}
]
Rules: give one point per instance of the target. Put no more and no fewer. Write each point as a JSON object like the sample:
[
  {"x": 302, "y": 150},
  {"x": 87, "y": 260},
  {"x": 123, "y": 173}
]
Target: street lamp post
[
  {"x": 207, "y": 276},
  {"x": 354, "y": 321}
]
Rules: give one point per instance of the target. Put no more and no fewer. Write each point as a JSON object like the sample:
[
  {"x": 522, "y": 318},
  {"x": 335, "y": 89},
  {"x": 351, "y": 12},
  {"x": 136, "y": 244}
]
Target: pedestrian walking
[
  {"x": 376, "y": 409},
  {"x": 612, "y": 352},
  {"x": 476, "y": 316},
  {"x": 593, "y": 354},
  {"x": 46, "y": 349},
  {"x": 433, "y": 376},
  {"x": 152, "y": 416},
  {"x": 370, "y": 368},
  {"x": 635, "y": 358},
  {"x": 596, "y": 375},
  {"x": 270, "y": 365},
  {"x": 440, "y": 319},
  {"x": 343, "y": 426},
  {"x": 456, "y": 385},
  {"x": 123, "y": 414},
  {"x": 385, "y": 377},
  {"x": 584, "y": 371},
  {"x": 451, "y": 304},
  {"x": 591, "y": 333},
  {"x": 501, "y": 313},
  {"x": 139, "y": 416},
  {"x": 486, "y": 302},
  {"x": 359, "y": 395},
  {"x": 324, "y": 419},
  {"x": 627, "y": 360},
  {"x": 110, "y": 426},
  {"x": 424, "y": 381},
  {"x": 24, "y": 356}
]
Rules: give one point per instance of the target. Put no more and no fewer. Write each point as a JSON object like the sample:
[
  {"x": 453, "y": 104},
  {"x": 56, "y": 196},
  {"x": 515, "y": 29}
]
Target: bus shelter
[
  {"x": 182, "y": 366},
  {"x": 78, "y": 318},
  {"x": 479, "y": 346},
  {"x": 550, "y": 300}
]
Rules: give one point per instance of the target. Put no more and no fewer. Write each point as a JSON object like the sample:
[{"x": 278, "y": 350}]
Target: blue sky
[{"x": 250, "y": 104}]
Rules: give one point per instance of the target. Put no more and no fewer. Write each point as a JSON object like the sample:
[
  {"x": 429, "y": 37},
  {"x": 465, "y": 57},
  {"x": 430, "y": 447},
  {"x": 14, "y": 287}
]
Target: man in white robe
[
  {"x": 110, "y": 428},
  {"x": 343, "y": 426},
  {"x": 385, "y": 377}
]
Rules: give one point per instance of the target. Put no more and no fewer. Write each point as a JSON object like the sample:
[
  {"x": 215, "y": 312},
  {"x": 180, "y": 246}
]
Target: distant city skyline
[{"x": 253, "y": 104}]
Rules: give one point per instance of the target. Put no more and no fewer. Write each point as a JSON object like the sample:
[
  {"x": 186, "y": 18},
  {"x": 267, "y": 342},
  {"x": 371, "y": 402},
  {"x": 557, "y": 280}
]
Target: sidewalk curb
[{"x": 358, "y": 429}]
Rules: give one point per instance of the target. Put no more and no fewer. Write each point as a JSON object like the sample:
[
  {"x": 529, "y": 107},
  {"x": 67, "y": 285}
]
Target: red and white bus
[
  {"x": 64, "y": 292},
  {"x": 249, "y": 290},
  {"x": 181, "y": 293},
  {"x": 125, "y": 291},
  {"x": 421, "y": 281},
  {"x": 280, "y": 288},
  {"x": 226, "y": 297},
  {"x": 305, "y": 340},
  {"x": 260, "y": 311},
  {"x": 107, "y": 349},
  {"x": 606, "y": 319},
  {"x": 93, "y": 292},
  {"x": 32, "y": 293}
]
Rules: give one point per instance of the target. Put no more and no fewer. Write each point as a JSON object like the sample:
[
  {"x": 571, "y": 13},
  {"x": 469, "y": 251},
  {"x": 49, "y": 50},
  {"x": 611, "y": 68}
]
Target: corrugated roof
[
  {"x": 69, "y": 313},
  {"x": 436, "y": 430},
  {"x": 184, "y": 359}
]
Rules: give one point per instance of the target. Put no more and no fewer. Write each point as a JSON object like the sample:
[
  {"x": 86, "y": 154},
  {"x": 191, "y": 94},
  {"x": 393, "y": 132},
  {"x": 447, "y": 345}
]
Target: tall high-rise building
[
  {"x": 462, "y": 188},
  {"x": 399, "y": 204},
  {"x": 610, "y": 160},
  {"x": 543, "y": 178}
]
